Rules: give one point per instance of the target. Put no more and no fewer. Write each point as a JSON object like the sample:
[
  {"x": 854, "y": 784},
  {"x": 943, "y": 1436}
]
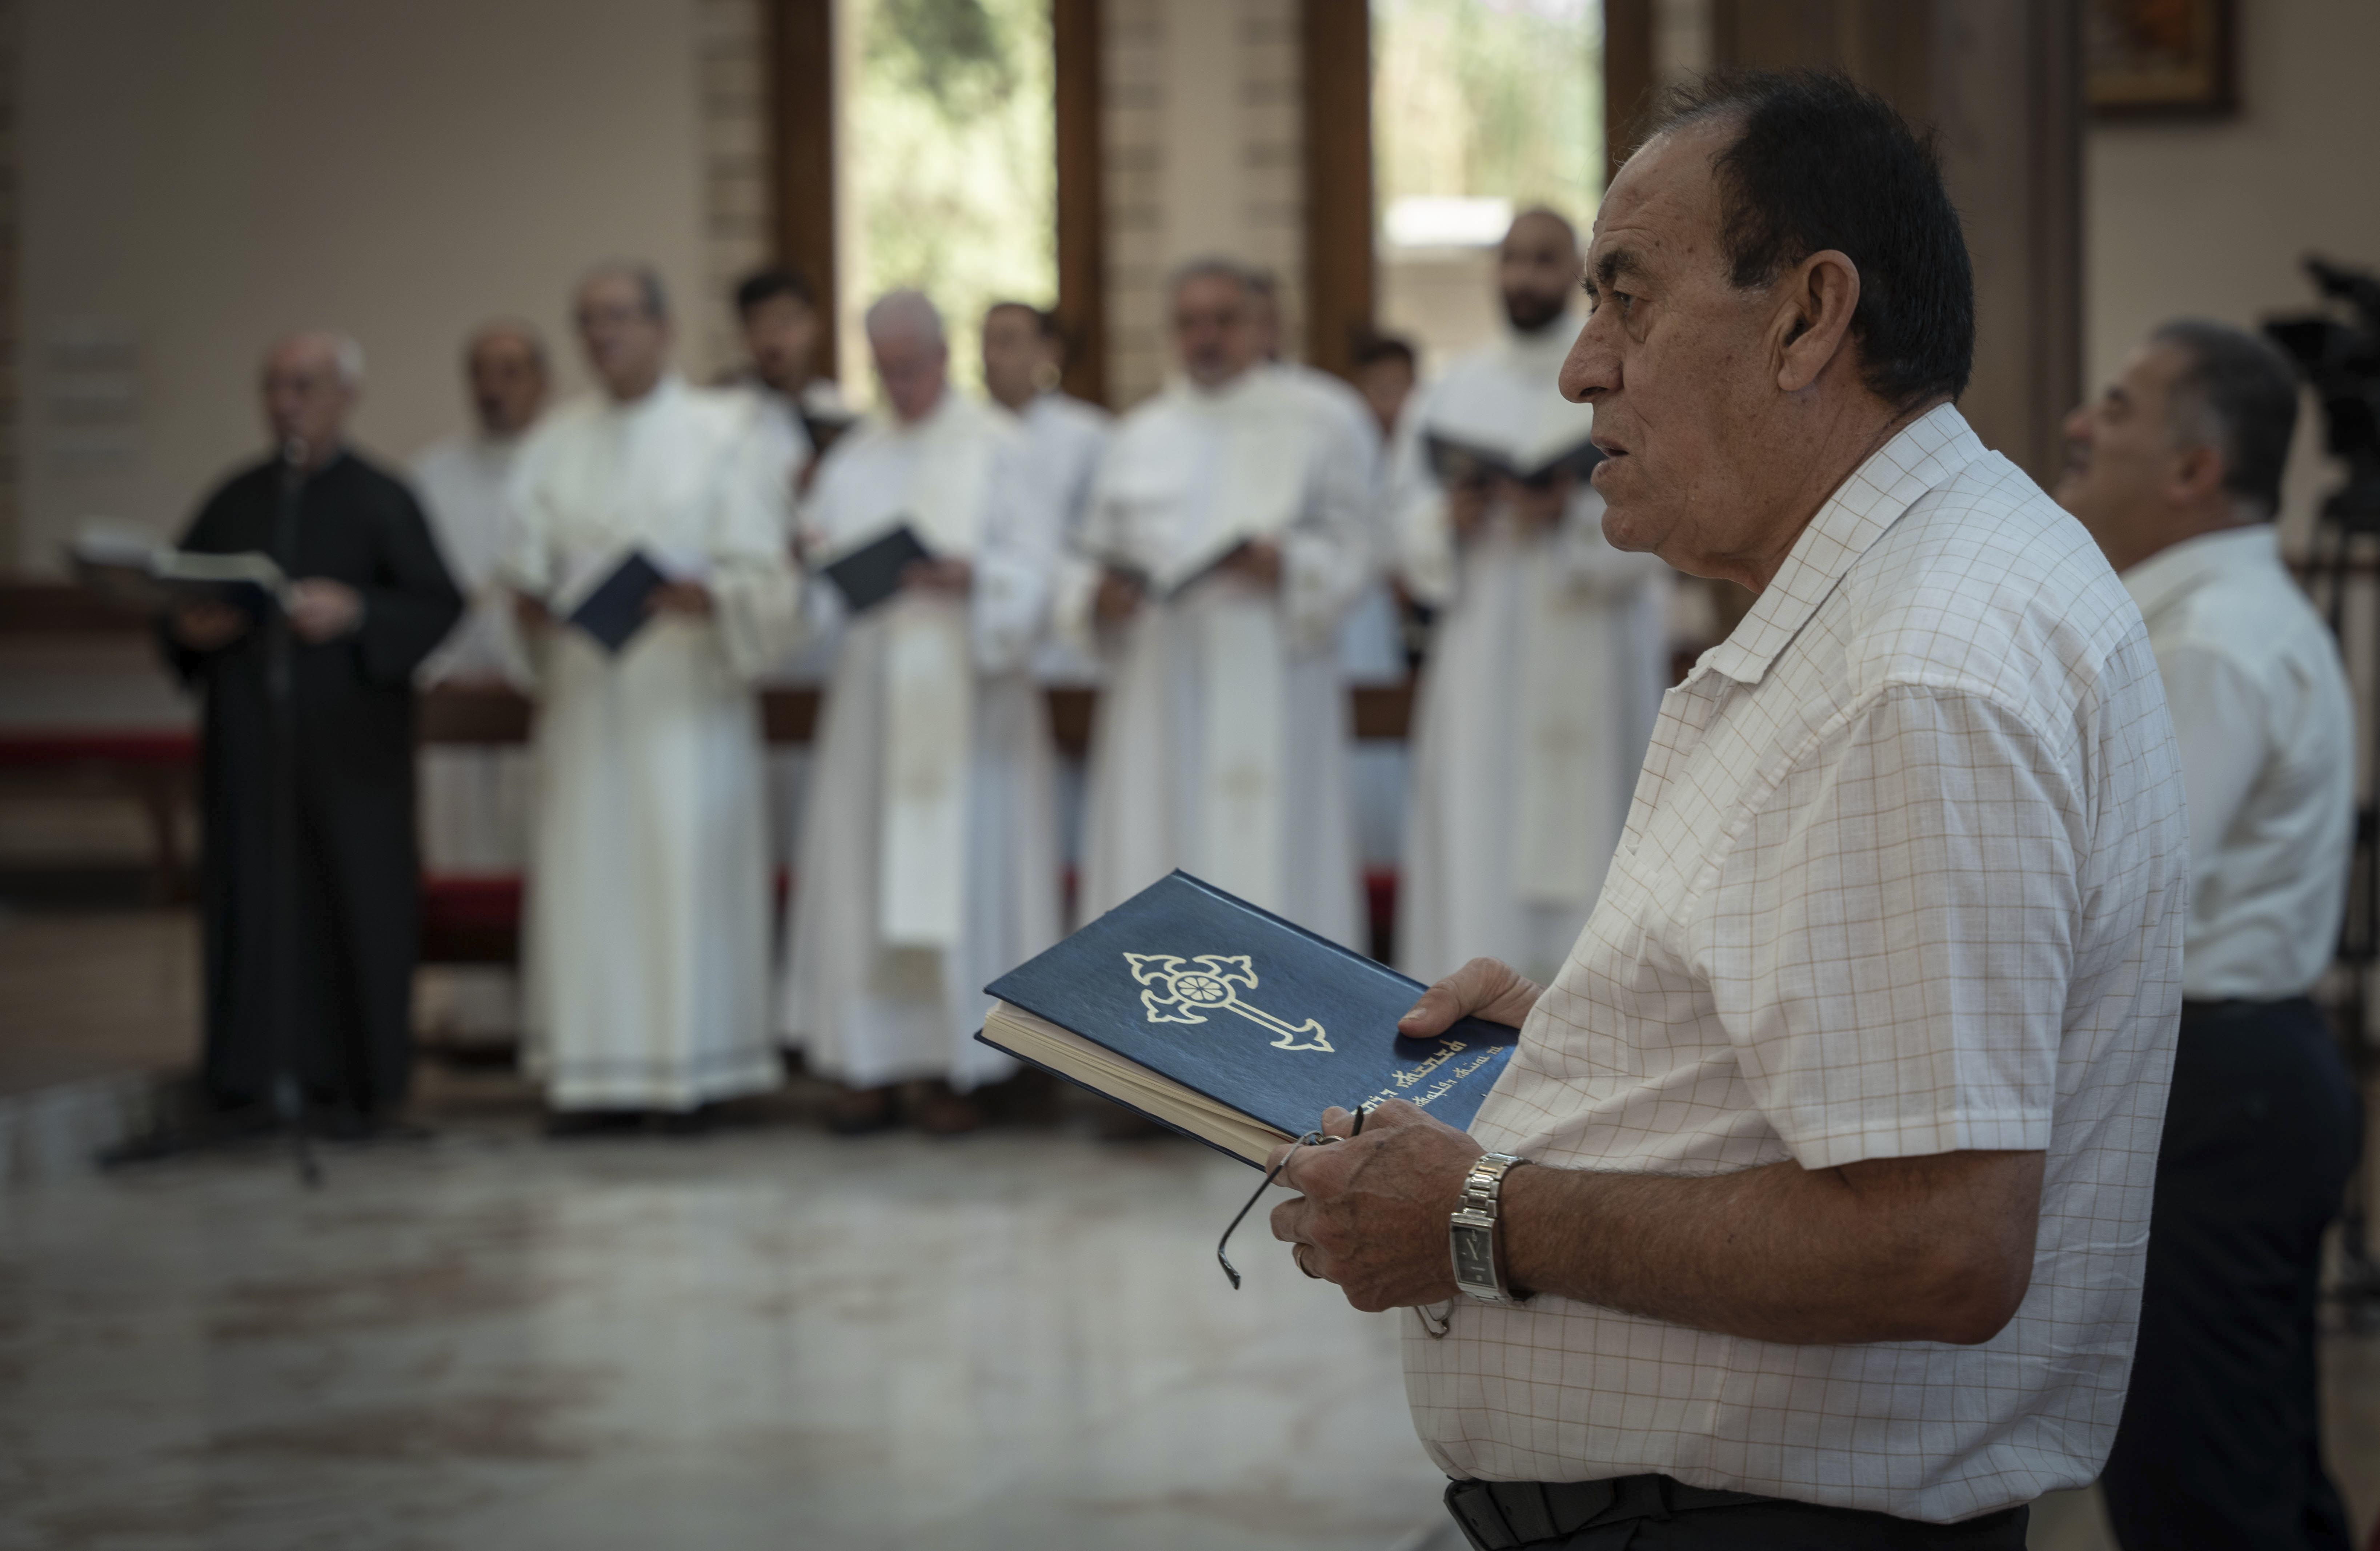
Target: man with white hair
[
  {"x": 648, "y": 932},
  {"x": 370, "y": 601},
  {"x": 1224, "y": 542},
  {"x": 928, "y": 858}
]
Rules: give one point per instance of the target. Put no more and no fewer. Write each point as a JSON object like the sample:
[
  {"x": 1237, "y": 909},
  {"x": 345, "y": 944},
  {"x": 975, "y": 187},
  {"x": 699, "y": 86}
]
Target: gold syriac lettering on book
[{"x": 1176, "y": 990}]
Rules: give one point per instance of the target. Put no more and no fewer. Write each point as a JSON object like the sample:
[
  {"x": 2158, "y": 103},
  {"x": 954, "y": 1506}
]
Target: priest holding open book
[
  {"x": 928, "y": 855},
  {"x": 368, "y": 600},
  {"x": 1812, "y": 1207},
  {"x": 648, "y": 555}
]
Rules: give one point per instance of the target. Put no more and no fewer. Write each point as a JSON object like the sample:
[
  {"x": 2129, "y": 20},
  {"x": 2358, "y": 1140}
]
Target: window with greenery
[
  {"x": 1480, "y": 107},
  {"x": 948, "y": 147}
]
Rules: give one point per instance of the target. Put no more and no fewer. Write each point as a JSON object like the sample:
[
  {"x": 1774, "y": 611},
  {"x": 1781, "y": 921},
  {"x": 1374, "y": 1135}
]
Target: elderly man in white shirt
[
  {"x": 2175, "y": 470},
  {"x": 1813, "y": 1203}
]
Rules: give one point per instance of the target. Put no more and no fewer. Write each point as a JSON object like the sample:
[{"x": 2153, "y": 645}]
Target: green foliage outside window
[
  {"x": 951, "y": 154},
  {"x": 1489, "y": 99}
]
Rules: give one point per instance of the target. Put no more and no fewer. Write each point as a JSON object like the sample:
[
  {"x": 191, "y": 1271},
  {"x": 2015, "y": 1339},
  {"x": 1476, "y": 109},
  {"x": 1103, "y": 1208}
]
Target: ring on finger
[{"x": 1297, "y": 1253}]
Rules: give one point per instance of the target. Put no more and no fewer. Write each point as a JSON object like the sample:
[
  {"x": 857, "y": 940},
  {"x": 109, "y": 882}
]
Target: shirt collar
[
  {"x": 2180, "y": 569},
  {"x": 1925, "y": 452}
]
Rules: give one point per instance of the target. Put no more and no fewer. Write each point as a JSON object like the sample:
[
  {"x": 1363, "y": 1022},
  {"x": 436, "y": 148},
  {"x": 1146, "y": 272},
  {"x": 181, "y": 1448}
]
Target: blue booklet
[
  {"x": 1230, "y": 1024},
  {"x": 615, "y": 611}
]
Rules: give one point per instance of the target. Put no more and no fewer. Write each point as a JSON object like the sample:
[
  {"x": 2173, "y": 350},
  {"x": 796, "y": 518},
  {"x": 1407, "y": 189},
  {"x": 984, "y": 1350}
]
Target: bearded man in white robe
[
  {"x": 929, "y": 857},
  {"x": 474, "y": 799},
  {"x": 1548, "y": 642},
  {"x": 646, "y": 949},
  {"x": 1224, "y": 542}
]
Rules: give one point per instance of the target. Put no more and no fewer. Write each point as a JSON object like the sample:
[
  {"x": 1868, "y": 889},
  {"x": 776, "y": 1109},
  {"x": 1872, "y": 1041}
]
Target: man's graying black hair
[
  {"x": 1820, "y": 162},
  {"x": 2237, "y": 395}
]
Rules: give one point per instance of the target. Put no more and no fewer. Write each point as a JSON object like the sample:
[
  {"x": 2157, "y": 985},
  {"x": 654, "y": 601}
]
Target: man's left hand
[
  {"x": 1372, "y": 1209},
  {"x": 322, "y": 610}
]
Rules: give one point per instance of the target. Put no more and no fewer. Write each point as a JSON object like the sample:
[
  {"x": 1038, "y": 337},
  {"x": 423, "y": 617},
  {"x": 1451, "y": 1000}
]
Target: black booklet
[
  {"x": 1456, "y": 462},
  {"x": 1230, "y": 1024},
  {"x": 615, "y": 611},
  {"x": 871, "y": 574}
]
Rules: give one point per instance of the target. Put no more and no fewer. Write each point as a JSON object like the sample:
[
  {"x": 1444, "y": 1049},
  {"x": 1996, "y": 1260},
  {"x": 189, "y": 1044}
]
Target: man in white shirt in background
[
  {"x": 474, "y": 800},
  {"x": 928, "y": 858},
  {"x": 647, "y": 942},
  {"x": 2177, "y": 471},
  {"x": 1549, "y": 655},
  {"x": 1812, "y": 1207},
  {"x": 1224, "y": 542}
]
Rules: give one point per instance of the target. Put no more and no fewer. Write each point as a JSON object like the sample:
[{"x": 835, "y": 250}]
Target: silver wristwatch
[{"x": 1471, "y": 1231}]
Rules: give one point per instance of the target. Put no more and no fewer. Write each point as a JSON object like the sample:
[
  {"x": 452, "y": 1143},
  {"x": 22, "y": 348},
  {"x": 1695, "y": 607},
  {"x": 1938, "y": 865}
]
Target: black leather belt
[{"x": 1498, "y": 1515}]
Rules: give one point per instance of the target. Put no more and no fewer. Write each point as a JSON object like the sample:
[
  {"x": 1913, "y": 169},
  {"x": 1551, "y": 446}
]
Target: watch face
[{"x": 1475, "y": 1255}]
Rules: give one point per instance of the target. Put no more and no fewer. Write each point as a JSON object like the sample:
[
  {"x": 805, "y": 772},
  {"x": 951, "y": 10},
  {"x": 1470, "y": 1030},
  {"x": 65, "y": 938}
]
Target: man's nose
[{"x": 1592, "y": 367}]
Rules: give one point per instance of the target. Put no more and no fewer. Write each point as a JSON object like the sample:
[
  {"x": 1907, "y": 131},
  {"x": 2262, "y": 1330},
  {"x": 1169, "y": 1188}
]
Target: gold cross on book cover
[{"x": 1203, "y": 1043}]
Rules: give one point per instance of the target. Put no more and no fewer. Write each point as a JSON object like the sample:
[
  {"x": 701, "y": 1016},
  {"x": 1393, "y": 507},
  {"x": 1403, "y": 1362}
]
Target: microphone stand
[{"x": 281, "y": 829}]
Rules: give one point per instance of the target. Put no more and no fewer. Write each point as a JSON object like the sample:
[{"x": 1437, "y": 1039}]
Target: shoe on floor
[
  {"x": 570, "y": 1124},
  {"x": 858, "y": 1111}
]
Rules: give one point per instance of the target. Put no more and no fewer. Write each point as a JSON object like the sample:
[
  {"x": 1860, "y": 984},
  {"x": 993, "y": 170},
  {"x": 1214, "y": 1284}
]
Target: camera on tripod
[{"x": 2343, "y": 362}]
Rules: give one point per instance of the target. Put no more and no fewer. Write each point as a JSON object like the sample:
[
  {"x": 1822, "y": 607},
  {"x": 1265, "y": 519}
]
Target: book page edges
[{"x": 1093, "y": 1065}]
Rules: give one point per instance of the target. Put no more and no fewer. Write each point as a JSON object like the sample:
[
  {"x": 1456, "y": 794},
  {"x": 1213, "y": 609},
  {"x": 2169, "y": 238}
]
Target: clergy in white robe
[
  {"x": 474, "y": 798},
  {"x": 1024, "y": 357},
  {"x": 646, "y": 949},
  {"x": 802, "y": 412},
  {"x": 928, "y": 855},
  {"x": 1223, "y": 544},
  {"x": 1546, "y": 665}
]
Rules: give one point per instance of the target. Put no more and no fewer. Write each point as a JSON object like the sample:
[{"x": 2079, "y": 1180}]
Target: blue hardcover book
[{"x": 1230, "y": 1024}]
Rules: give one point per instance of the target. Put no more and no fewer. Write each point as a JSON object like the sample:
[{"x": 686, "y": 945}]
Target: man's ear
[
  {"x": 1815, "y": 301},
  {"x": 2198, "y": 474}
]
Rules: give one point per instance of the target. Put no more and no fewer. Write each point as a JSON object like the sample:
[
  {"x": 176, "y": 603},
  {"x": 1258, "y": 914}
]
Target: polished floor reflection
[
  {"x": 760, "y": 1338},
  {"x": 770, "y": 1338}
]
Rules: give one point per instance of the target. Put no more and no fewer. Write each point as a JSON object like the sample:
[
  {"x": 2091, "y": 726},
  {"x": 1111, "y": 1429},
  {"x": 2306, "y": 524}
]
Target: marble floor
[
  {"x": 760, "y": 1338},
  {"x": 768, "y": 1339}
]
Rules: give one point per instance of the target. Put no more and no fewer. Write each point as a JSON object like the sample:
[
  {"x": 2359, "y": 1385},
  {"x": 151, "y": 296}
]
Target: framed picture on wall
[{"x": 2161, "y": 58}]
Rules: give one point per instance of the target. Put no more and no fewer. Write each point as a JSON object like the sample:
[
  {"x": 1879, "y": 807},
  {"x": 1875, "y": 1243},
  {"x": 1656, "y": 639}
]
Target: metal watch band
[{"x": 1471, "y": 1231}]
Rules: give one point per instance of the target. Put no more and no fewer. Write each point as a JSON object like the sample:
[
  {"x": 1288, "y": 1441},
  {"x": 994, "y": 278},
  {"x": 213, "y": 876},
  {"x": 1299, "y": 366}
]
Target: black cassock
[{"x": 356, "y": 875}]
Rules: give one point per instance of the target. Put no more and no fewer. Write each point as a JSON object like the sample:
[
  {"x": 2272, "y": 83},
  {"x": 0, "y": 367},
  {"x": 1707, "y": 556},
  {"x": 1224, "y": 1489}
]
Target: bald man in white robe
[
  {"x": 1224, "y": 542},
  {"x": 1550, "y": 645},
  {"x": 475, "y": 799},
  {"x": 928, "y": 855},
  {"x": 647, "y": 935}
]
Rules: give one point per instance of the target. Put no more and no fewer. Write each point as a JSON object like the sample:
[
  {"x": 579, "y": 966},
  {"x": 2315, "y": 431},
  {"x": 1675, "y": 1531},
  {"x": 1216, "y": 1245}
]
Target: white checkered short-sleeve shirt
[{"x": 1906, "y": 874}]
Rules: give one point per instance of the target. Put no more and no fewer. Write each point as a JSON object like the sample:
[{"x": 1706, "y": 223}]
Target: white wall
[
  {"x": 2210, "y": 219},
  {"x": 198, "y": 177}
]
